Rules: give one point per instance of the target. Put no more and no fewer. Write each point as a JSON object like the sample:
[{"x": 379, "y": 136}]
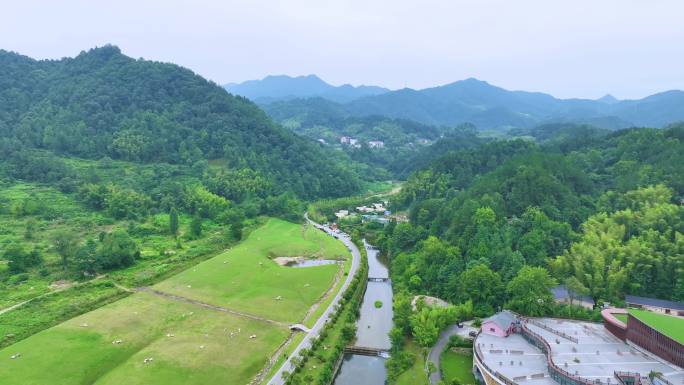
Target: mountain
[
  {"x": 282, "y": 87},
  {"x": 494, "y": 108},
  {"x": 104, "y": 104}
]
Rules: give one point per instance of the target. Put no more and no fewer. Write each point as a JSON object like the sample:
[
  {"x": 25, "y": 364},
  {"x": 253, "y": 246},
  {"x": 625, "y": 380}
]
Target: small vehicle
[{"x": 473, "y": 334}]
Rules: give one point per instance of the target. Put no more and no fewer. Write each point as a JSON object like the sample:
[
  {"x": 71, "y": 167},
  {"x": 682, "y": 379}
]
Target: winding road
[
  {"x": 436, "y": 352},
  {"x": 288, "y": 366}
]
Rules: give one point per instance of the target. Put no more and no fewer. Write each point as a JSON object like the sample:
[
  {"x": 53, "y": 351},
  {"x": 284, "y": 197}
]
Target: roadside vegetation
[{"x": 318, "y": 364}]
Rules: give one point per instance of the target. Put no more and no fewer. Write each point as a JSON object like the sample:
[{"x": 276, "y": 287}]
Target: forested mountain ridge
[
  {"x": 283, "y": 87},
  {"x": 493, "y": 108},
  {"x": 601, "y": 212},
  {"x": 102, "y": 103}
]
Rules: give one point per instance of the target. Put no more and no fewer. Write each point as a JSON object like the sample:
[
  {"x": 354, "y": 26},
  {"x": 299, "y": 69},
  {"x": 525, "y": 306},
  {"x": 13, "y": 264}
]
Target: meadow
[
  {"x": 187, "y": 343},
  {"x": 245, "y": 278}
]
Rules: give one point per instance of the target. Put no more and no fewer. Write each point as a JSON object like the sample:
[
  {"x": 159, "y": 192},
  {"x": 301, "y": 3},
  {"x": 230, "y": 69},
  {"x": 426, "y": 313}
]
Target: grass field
[
  {"x": 621, "y": 317},
  {"x": 245, "y": 278},
  {"x": 200, "y": 351},
  {"x": 670, "y": 326},
  {"x": 416, "y": 374},
  {"x": 458, "y": 366}
]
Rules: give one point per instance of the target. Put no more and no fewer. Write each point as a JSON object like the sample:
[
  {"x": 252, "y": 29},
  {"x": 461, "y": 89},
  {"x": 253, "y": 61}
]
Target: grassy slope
[
  {"x": 249, "y": 281},
  {"x": 621, "y": 317},
  {"x": 670, "y": 326},
  {"x": 459, "y": 366},
  {"x": 70, "y": 354},
  {"x": 58, "y": 211}
]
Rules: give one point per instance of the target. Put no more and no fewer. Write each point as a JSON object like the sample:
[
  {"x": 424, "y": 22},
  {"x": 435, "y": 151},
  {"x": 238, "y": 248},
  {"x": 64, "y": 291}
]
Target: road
[
  {"x": 287, "y": 366},
  {"x": 437, "y": 350}
]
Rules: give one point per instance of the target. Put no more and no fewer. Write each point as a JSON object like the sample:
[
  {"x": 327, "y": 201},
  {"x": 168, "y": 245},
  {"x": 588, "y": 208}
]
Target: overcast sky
[{"x": 569, "y": 48}]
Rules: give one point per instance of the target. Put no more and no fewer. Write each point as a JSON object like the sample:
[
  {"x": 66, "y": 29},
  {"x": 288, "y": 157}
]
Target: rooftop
[
  {"x": 596, "y": 355},
  {"x": 504, "y": 319},
  {"x": 645, "y": 301},
  {"x": 561, "y": 292}
]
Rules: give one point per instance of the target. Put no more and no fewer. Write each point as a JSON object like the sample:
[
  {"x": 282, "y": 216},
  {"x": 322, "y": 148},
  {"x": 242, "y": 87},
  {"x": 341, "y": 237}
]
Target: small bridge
[
  {"x": 366, "y": 351},
  {"x": 300, "y": 328},
  {"x": 377, "y": 279}
]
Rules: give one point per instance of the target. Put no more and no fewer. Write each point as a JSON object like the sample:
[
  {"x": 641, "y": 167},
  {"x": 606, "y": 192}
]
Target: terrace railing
[
  {"x": 628, "y": 378},
  {"x": 559, "y": 375},
  {"x": 552, "y": 330},
  {"x": 499, "y": 376}
]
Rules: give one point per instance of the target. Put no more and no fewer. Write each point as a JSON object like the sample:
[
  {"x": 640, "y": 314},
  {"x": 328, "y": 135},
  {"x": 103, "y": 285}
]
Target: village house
[
  {"x": 376, "y": 144},
  {"x": 341, "y": 214},
  {"x": 501, "y": 324}
]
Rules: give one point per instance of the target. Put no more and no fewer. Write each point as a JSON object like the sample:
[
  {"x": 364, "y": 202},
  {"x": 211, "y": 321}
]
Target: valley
[{"x": 164, "y": 220}]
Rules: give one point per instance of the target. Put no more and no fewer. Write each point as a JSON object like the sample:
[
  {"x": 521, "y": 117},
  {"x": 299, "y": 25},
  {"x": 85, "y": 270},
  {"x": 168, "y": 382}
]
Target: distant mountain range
[
  {"x": 466, "y": 101},
  {"x": 282, "y": 87}
]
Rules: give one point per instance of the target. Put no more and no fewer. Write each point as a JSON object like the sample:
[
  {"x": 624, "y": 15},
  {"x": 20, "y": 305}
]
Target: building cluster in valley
[
  {"x": 352, "y": 142},
  {"x": 374, "y": 212},
  {"x": 642, "y": 345}
]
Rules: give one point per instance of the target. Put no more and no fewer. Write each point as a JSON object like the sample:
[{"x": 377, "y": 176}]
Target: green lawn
[
  {"x": 621, "y": 317},
  {"x": 458, "y": 366},
  {"x": 416, "y": 374},
  {"x": 200, "y": 350},
  {"x": 670, "y": 326},
  {"x": 245, "y": 277}
]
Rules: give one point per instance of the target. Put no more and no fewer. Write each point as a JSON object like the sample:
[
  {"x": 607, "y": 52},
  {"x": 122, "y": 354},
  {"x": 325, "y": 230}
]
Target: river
[{"x": 373, "y": 327}]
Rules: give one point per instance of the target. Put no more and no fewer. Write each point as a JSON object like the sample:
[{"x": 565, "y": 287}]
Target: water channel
[{"x": 373, "y": 327}]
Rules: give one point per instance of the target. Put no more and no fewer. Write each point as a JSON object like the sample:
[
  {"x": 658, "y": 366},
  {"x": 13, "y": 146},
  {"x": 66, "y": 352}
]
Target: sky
[{"x": 568, "y": 48}]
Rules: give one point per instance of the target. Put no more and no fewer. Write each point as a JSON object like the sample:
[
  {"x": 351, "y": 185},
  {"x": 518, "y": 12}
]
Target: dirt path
[{"x": 210, "y": 306}]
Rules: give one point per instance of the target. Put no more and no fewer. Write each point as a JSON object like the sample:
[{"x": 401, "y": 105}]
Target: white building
[
  {"x": 376, "y": 144},
  {"x": 341, "y": 214}
]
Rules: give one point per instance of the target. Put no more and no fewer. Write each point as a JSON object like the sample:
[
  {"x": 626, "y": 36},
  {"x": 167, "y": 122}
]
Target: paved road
[
  {"x": 277, "y": 378},
  {"x": 437, "y": 350}
]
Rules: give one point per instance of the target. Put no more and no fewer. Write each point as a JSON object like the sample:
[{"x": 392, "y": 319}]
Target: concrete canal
[{"x": 373, "y": 328}]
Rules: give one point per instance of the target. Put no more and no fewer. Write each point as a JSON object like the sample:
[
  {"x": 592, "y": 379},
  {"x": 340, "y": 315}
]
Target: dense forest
[
  {"x": 598, "y": 211},
  {"x": 102, "y": 104}
]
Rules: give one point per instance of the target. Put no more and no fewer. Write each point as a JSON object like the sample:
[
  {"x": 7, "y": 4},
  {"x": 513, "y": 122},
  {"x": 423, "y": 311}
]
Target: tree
[
  {"x": 530, "y": 291},
  {"x": 575, "y": 288},
  {"x": 18, "y": 260},
  {"x": 173, "y": 221},
  {"x": 65, "y": 243},
  {"x": 483, "y": 287},
  {"x": 424, "y": 327},
  {"x": 196, "y": 226},
  {"x": 30, "y": 229},
  {"x": 117, "y": 250}
]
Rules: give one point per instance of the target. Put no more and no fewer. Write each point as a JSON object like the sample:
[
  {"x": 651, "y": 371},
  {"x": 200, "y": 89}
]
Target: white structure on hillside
[
  {"x": 341, "y": 214},
  {"x": 376, "y": 144}
]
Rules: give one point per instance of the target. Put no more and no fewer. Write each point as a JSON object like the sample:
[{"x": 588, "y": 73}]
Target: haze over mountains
[
  {"x": 467, "y": 101},
  {"x": 282, "y": 87}
]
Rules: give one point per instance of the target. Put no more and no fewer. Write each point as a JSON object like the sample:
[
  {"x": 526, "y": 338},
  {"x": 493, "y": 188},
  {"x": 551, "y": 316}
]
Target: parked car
[{"x": 473, "y": 334}]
